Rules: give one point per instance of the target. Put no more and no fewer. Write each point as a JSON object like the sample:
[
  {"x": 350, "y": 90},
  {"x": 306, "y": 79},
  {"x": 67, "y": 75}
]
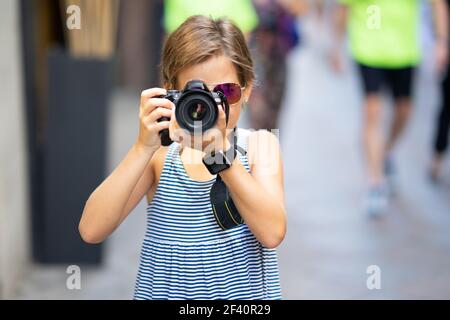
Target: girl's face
[{"x": 214, "y": 71}]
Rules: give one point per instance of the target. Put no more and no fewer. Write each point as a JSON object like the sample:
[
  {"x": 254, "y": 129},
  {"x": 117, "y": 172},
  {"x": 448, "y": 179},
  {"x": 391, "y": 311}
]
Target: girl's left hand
[
  {"x": 213, "y": 139},
  {"x": 216, "y": 138}
]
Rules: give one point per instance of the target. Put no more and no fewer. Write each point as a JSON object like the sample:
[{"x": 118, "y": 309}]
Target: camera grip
[{"x": 164, "y": 134}]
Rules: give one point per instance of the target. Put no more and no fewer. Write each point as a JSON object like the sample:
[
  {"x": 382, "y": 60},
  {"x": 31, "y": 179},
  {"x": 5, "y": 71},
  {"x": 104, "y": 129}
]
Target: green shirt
[
  {"x": 241, "y": 12},
  {"x": 384, "y": 33}
]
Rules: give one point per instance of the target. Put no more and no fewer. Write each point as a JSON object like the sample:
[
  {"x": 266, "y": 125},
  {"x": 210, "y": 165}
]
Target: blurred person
[
  {"x": 443, "y": 120},
  {"x": 273, "y": 39},
  {"x": 185, "y": 253},
  {"x": 241, "y": 12},
  {"x": 384, "y": 43}
]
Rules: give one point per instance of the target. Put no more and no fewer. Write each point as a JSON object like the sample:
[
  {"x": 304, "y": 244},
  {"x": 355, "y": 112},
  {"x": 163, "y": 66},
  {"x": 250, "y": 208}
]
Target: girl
[{"x": 185, "y": 254}]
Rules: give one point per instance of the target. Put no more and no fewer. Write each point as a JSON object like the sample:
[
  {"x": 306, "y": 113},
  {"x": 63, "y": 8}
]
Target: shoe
[
  {"x": 376, "y": 201},
  {"x": 390, "y": 172}
]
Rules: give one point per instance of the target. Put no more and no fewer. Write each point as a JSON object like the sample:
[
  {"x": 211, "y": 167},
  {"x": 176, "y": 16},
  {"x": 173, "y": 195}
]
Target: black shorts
[{"x": 399, "y": 81}]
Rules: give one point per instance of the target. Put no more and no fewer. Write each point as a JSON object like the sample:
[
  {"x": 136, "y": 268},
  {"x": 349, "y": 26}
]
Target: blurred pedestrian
[
  {"x": 384, "y": 44},
  {"x": 241, "y": 12},
  {"x": 273, "y": 39},
  {"x": 443, "y": 120}
]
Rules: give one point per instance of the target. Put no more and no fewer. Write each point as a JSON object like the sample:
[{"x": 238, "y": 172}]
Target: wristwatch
[{"x": 219, "y": 160}]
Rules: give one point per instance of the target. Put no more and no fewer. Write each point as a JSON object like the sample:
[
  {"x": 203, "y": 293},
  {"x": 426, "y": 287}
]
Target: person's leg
[
  {"x": 402, "y": 114},
  {"x": 275, "y": 95},
  {"x": 267, "y": 98},
  {"x": 442, "y": 130},
  {"x": 376, "y": 199},
  {"x": 258, "y": 105},
  {"x": 373, "y": 138},
  {"x": 400, "y": 81},
  {"x": 372, "y": 79}
]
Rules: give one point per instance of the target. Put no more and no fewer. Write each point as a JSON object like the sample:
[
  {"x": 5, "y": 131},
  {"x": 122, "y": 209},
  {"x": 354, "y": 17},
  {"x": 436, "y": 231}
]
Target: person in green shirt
[
  {"x": 241, "y": 12},
  {"x": 384, "y": 43}
]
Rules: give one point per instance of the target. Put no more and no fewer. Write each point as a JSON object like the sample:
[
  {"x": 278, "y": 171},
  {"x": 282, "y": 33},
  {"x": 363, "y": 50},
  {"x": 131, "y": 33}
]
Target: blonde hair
[{"x": 200, "y": 38}]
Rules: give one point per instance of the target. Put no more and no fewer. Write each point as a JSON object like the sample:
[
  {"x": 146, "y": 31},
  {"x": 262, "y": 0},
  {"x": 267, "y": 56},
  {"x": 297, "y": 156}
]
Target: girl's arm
[
  {"x": 115, "y": 197},
  {"x": 259, "y": 196}
]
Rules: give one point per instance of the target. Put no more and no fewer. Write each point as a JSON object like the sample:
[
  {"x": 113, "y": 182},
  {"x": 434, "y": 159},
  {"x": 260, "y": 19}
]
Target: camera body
[{"x": 196, "y": 108}]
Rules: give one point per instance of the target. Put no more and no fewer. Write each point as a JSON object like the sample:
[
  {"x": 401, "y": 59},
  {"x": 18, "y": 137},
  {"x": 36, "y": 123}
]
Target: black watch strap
[{"x": 217, "y": 162}]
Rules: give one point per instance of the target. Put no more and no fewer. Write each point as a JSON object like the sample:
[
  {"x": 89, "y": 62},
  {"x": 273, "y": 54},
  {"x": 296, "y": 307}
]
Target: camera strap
[{"x": 225, "y": 212}]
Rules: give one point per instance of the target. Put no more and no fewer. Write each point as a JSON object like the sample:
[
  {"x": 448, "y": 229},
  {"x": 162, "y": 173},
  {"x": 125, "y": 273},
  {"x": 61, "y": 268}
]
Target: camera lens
[{"x": 197, "y": 110}]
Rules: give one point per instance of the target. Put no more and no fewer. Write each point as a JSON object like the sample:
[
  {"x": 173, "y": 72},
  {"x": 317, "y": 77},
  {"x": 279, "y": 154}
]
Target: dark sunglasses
[{"x": 232, "y": 91}]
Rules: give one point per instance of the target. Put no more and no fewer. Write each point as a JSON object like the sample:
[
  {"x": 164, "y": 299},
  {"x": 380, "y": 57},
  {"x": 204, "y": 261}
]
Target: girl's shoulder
[
  {"x": 260, "y": 143},
  {"x": 249, "y": 137}
]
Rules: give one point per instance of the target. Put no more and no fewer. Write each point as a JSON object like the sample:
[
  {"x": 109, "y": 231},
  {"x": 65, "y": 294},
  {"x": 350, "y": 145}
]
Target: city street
[{"x": 330, "y": 241}]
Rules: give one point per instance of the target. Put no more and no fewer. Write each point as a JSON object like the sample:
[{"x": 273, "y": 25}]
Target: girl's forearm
[
  {"x": 104, "y": 208},
  {"x": 264, "y": 215}
]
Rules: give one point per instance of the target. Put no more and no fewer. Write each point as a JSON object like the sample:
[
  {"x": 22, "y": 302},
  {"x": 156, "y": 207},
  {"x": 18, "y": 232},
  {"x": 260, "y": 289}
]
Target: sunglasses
[{"x": 232, "y": 91}]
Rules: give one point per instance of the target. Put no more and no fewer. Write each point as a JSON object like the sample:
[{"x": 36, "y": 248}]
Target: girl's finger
[
  {"x": 158, "y": 113},
  {"x": 153, "y": 103},
  {"x": 222, "y": 118},
  {"x": 162, "y": 125},
  {"x": 153, "y": 92}
]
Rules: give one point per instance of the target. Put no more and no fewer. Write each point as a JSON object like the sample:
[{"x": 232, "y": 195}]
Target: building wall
[{"x": 14, "y": 228}]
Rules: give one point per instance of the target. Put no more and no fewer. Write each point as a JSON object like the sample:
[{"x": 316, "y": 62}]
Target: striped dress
[{"x": 186, "y": 255}]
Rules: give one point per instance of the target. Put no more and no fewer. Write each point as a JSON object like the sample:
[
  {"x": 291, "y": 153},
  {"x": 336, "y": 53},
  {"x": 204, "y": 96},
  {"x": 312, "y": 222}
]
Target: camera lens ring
[{"x": 207, "y": 109}]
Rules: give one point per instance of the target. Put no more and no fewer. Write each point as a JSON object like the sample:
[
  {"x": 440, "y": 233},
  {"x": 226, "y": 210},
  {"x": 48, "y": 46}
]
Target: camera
[{"x": 195, "y": 108}]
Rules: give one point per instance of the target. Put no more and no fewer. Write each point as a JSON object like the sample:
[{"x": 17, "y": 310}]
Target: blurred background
[{"x": 71, "y": 73}]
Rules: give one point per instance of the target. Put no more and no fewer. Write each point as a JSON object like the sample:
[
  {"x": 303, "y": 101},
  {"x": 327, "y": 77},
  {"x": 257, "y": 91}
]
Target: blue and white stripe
[{"x": 186, "y": 255}]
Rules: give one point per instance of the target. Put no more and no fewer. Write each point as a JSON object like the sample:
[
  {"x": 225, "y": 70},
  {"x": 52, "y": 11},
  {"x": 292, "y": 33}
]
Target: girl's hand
[
  {"x": 152, "y": 108},
  {"x": 216, "y": 138},
  {"x": 213, "y": 139}
]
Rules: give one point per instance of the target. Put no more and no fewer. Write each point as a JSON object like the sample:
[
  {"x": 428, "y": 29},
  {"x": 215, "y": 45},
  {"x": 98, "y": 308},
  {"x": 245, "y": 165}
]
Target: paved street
[{"x": 330, "y": 241}]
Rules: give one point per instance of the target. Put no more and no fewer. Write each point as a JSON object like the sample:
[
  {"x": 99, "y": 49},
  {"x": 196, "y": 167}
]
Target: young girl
[{"x": 185, "y": 253}]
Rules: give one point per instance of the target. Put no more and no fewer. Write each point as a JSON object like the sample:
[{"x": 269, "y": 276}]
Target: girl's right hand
[{"x": 152, "y": 108}]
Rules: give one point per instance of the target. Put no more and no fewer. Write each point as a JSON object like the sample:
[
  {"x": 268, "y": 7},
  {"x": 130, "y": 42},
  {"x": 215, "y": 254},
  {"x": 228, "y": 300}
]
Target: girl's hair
[{"x": 200, "y": 38}]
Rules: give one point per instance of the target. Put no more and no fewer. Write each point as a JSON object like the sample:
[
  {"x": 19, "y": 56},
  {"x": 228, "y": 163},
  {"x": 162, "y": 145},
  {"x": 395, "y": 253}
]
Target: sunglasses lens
[{"x": 231, "y": 90}]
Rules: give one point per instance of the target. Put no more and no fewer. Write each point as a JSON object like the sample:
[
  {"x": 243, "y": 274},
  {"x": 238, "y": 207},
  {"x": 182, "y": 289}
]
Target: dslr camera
[{"x": 195, "y": 108}]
